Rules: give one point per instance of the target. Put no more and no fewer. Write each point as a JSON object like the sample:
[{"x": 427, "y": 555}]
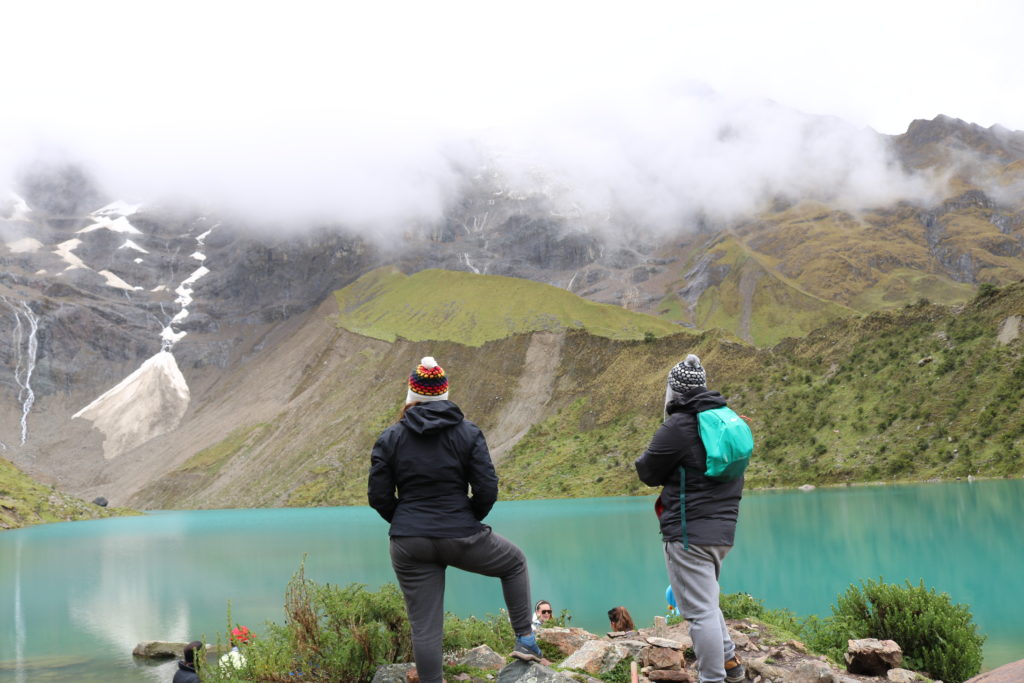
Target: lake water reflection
[{"x": 79, "y": 596}]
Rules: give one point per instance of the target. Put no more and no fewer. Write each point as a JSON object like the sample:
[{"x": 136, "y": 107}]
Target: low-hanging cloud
[
  {"x": 668, "y": 155},
  {"x": 660, "y": 156},
  {"x": 372, "y": 115}
]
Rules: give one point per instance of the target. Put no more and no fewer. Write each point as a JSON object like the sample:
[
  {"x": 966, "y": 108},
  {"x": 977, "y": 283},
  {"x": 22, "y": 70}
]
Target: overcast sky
[{"x": 337, "y": 104}]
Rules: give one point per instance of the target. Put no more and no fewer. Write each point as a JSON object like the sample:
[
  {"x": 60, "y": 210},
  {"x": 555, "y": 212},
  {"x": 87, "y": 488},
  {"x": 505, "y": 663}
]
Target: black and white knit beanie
[{"x": 687, "y": 374}]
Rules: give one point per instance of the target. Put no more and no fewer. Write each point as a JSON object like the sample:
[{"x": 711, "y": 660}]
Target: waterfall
[{"x": 25, "y": 359}]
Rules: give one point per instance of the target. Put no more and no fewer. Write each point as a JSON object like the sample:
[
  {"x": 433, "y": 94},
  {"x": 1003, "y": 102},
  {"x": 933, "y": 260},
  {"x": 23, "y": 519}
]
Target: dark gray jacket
[
  {"x": 422, "y": 471},
  {"x": 705, "y": 512},
  {"x": 186, "y": 673}
]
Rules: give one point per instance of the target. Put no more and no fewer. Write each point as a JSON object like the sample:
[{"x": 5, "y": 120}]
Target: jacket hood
[
  {"x": 695, "y": 400},
  {"x": 433, "y": 416}
]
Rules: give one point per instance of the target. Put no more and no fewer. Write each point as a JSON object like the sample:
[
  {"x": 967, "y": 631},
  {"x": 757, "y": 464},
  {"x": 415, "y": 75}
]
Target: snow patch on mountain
[
  {"x": 66, "y": 251},
  {"x": 119, "y": 224},
  {"x": 25, "y": 245},
  {"x": 114, "y": 281},
  {"x": 147, "y": 403},
  {"x": 169, "y": 335},
  {"x": 117, "y": 208},
  {"x": 128, "y": 244}
]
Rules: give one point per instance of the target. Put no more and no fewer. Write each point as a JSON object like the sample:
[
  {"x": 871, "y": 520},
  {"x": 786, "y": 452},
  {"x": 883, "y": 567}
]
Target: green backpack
[{"x": 728, "y": 442}]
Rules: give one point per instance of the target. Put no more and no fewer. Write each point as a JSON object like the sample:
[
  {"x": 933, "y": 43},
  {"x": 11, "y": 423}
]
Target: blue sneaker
[{"x": 527, "y": 649}]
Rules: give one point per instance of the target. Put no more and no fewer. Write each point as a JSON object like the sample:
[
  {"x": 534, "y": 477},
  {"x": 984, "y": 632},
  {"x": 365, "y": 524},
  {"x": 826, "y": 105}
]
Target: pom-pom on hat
[
  {"x": 687, "y": 374},
  {"x": 427, "y": 382}
]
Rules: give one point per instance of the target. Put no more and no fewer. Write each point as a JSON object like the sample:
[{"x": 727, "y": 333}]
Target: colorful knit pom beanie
[
  {"x": 687, "y": 374},
  {"x": 427, "y": 382}
]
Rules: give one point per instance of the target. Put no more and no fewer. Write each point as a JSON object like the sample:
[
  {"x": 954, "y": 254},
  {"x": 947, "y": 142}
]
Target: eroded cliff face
[{"x": 109, "y": 317}]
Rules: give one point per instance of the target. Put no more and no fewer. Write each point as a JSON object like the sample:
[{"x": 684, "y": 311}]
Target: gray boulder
[
  {"x": 159, "y": 649},
  {"x": 872, "y": 657},
  {"x": 392, "y": 673},
  {"x": 483, "y": 657},
  {"x": 813, "y": 671},
  {"x": 531, "y": 672}
]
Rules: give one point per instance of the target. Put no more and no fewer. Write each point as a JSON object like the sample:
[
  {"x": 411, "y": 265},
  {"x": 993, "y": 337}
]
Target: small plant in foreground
[{"x": 746, "y": 606}]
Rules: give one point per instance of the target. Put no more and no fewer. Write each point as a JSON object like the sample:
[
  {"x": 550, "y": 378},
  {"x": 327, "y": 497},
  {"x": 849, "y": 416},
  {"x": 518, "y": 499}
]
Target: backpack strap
[{"x": 682, "y": 508}]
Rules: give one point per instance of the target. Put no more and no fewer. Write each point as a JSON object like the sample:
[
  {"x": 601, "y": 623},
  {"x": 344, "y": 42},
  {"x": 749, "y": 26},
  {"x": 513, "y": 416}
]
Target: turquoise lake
[{"x": 78, "y": 596}]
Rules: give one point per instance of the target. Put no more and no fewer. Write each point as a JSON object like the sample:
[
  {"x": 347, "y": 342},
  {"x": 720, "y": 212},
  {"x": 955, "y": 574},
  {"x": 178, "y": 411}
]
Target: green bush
[
  {"x": 342, "y": 634},
  {"x": 330, "y": 634},
  {"x": 936, "y": 635},
  {"x": 464, "y": 634}
]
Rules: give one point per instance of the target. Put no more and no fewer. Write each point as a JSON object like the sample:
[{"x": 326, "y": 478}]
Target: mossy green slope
[
  {"x": 884, "y": 258},
  {"x": 922, "y": 392},
  {"x": 474, "y": 309},
  {"x": 24, "y": 501},
  {"x": 857, "y": 400},
  {"x": 925, "y": 391},
  {"x": 751, "y": 298}
]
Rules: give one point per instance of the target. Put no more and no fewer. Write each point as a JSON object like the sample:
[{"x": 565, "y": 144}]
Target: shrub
[
  {"x": 986, "y": 290},
  {"x": 342, "y": 634},
  {"x": 746, "y": 606},
  {"x": 464, "y": 634},
  {"x": 936, "y": 635}
]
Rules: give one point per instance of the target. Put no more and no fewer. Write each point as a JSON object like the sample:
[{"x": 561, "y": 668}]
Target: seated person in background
[
  {"x": 541, "y": 613},
  {"x": 234, "y": 658},
  {"x": 186, "y": 672},
  {"x": 620, "y": 619},
  {"x": 670, "y": 598}
]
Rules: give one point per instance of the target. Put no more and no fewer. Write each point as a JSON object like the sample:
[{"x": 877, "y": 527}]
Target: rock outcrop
[{"x": 665, "y": 654}]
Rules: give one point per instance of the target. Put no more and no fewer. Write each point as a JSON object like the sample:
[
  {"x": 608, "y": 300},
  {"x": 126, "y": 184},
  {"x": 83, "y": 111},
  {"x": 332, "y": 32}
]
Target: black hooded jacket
[
  {"x": 433, "y": 458},
  {"x": 711, "y": 507},
  {"x": 186, "y": 673}
]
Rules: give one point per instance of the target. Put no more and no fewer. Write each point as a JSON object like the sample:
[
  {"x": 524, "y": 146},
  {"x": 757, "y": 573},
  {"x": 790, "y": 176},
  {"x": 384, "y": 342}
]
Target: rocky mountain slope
[{"x": 164, "y": 357}]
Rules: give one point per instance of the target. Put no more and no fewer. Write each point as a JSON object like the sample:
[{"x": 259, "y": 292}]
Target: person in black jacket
[
  {"x": 186, "y": 672},
  {"x": 697, "y": 515},
  {"x": 420, "y": 471}
]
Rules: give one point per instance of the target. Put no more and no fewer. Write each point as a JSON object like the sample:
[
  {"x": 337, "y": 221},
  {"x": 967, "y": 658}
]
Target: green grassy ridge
[
  {"x": 24, "y": 501},
  {"x": 807, "y": 264},
  {"x": 860, "y": 402},
  {"x": 881, "y": 258},
  {"x": 848, "y": 403},
  {"x": 774, "y": 308},
  {"x": 474, "y": 309}
]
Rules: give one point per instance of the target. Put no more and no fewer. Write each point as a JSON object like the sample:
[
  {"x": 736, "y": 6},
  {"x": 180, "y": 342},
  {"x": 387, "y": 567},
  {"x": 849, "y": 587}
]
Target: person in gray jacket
[
  {"x": 432, "y": 479},
  {"x": 697, "y": 516}
]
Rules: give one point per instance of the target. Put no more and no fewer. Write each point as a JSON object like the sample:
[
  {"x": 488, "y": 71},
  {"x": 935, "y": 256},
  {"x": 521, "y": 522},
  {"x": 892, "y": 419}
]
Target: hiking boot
[
  {"x": 734, "y": 671},
  {"x": 527, "y": 649}
]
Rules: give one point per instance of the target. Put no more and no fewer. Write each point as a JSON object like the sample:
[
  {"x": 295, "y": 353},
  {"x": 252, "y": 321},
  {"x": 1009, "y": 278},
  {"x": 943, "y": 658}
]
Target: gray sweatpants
[
  {"x": 693, "y": 573},
  {"x": 420, "y": 565}
]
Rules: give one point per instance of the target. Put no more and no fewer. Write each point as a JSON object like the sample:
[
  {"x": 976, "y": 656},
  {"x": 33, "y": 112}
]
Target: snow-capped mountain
[{"x": 135, "y": 336}]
